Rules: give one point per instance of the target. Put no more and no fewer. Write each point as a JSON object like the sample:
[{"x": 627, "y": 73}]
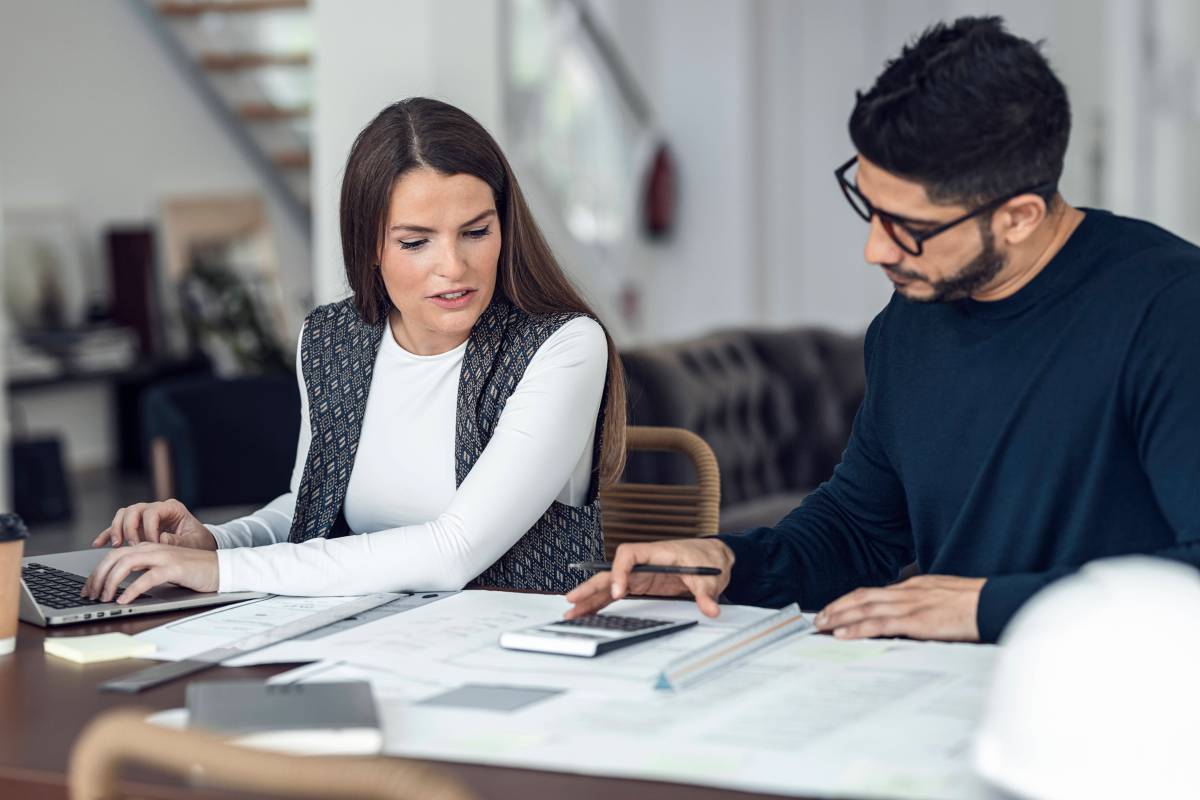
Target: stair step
[
  {"x": 292, "y": 159},
  {"x": 223, "y": 62},
  {"x": 267, "y": 112},
  {"x": 180, "y": 8}
]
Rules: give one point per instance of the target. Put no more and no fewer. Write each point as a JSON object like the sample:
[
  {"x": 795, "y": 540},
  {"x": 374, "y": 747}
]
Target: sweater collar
[{"x": 1054, "y": 277}]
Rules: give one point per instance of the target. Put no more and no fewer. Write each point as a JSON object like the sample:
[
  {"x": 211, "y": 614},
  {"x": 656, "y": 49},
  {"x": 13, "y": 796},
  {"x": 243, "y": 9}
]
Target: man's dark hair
[{"x": 969, "y": 111}]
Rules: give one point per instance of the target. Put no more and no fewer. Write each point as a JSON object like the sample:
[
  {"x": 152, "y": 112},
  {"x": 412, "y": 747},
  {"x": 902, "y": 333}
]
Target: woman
[{"x": 459, "y": 412}]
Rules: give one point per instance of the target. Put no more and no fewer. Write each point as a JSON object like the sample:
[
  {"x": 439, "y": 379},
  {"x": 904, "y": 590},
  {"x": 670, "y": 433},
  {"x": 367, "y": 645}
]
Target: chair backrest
[
  {"x": 121, "y": 737},
  {"x": 641, "y": 512},
  {"x": 222, "y": 442}
]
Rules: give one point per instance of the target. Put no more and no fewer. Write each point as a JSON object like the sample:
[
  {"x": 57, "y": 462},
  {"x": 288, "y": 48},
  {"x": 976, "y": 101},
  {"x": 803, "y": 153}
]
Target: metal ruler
[
  {"x": 169, "y": 671},
  {"x": 699, "y": 664}
]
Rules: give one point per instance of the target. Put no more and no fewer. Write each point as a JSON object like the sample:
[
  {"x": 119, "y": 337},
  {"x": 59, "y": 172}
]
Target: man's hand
[
  {"x": 924, "y": 607},
  {"x": 166, "y": 522},
  {"x": 605, "y": 587},
  {"x": 183, "y": 566}
]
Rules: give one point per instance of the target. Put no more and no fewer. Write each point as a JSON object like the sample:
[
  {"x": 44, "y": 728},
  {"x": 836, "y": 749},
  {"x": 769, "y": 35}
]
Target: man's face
[{"x": 953, "y": 264}]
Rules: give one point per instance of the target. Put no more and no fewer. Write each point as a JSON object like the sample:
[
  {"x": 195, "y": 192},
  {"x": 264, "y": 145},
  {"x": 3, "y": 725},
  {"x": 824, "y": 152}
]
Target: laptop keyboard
[{"x": 56, "y": 588}]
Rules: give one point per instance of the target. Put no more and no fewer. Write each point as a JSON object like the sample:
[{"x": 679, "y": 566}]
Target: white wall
[
  {"x": 708, "y": 274},
  {"x": 452, "y": 50},
  {"x": 1173, "y": 121},
  {"x": 755, "y": 96},
  {"x": 372, "y": 53},
  {"x": 4, "y": 432},
  {"x": 94, "y": 118},
  {"x": 817, "y": 55},
  {"x": 693, "y": 59}
]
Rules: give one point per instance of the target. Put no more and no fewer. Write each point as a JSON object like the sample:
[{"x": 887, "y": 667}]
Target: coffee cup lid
[{"x": 12, "y": 527}]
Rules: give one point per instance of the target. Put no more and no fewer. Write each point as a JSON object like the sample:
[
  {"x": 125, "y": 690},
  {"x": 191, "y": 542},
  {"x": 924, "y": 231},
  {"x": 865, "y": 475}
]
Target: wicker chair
[
  {"x": 122, "y": 737},
  {"x": 644, "y": 512}
]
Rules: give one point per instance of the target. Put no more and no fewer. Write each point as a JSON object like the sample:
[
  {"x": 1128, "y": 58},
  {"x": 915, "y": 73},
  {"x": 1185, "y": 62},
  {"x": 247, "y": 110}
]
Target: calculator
[{"x": 589, "y": 636}]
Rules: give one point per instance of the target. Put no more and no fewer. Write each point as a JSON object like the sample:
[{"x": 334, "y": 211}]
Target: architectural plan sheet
[
  {"x": 809, "y": 715},
  {"x": 457, "y": 639},
  {"x": 184, "y": 638}
]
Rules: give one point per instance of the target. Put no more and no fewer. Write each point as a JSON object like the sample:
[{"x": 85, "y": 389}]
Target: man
[{"x": 1033, "y": 386}]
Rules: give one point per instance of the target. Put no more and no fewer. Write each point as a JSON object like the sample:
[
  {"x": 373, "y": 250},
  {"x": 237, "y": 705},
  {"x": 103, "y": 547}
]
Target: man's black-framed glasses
[{"x": 910, "y": 235}]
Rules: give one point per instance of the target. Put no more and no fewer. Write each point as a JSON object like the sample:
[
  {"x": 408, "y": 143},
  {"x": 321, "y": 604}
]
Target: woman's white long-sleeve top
[{"x": 416, "y": 529}]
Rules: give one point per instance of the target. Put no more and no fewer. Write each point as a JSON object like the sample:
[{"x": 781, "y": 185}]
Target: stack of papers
[{"x": 809, "y": 715}]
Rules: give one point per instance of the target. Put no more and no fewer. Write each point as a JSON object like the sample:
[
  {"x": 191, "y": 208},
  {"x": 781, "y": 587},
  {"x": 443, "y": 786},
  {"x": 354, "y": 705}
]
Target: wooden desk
[{"x": 46, "y": 701}]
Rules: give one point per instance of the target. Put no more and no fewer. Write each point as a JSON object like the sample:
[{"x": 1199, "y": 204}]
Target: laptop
[{"x": 50, "y": 592}]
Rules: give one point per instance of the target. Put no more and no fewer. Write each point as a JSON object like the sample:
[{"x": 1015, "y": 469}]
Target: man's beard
[{"x": 977, "y": 273}]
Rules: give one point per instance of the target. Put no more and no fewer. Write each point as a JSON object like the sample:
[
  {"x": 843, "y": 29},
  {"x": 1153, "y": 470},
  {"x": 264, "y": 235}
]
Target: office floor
[{"x": 96, "y": 496}]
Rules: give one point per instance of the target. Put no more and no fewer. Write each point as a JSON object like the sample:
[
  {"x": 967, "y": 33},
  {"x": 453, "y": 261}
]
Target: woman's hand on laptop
[
  {"x": 605, "y": 587},
  {"x": 159, "y": 563},
  {"x": 166, "y": 522}
]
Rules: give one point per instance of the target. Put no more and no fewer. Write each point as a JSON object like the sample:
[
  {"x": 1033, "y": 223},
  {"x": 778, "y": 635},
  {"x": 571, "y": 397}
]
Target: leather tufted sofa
[{"x": 776, "y": 407}]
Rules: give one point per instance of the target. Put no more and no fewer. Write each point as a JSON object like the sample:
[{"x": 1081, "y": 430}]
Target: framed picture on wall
[
  {"x": 46, "y": 276},
  {"x": 222, "y": 291}
]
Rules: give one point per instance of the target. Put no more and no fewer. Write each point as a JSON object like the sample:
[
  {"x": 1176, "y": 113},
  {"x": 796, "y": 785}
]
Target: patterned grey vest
[{"x": 337, "y": 355}]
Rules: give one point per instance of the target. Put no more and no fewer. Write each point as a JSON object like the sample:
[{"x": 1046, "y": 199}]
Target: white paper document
[
  {"x": 457, "y": 638},
  {"x": 326, "y": 641},
  {"x": 808, "y": 715},
  {"x": 220, "y": 627}
]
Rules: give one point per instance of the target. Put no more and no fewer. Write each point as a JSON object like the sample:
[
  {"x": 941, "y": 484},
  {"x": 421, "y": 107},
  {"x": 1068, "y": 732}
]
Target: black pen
[{"x": 606, "y": 566}]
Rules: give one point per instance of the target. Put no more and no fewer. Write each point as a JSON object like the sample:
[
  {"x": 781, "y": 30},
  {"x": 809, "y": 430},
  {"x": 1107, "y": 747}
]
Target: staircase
[{"x": 250, "y": 62}]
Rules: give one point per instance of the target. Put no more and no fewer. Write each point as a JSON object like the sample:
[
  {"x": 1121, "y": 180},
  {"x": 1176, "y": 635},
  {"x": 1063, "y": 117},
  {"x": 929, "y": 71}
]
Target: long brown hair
[{"x": 420, "y": 132}]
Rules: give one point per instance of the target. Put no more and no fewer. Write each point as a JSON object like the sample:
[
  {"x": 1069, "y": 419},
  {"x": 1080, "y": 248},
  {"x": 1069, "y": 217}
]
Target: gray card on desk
[
  {"x": 490, "y": 698},
  {"x": 309, "y": 717}
]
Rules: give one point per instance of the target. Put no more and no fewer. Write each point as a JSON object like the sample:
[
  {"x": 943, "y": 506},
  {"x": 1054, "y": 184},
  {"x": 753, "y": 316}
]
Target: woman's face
[{"x": 440, "y": 250}]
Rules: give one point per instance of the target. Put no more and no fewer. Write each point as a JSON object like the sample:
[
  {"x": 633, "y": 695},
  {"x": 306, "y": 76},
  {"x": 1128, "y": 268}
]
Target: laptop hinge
[{"x": 29, "y": 610}]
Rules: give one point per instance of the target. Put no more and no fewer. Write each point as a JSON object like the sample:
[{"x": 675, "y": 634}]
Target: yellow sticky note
[{"x": 99, "y": 647}]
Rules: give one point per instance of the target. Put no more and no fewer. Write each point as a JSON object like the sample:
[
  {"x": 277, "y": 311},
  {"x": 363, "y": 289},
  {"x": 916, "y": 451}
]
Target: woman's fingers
[
  {"x": 150, "y": 523},
  {"x": 91, "y": 587},
  {"x": 193, "y": 569},
  {"x": 170, "y": 514},
  {"x": 148, "y": 580},
  {"x": 128, "y": 561},
  {"x": 117, "y": 528},
  {"x": 131, "y": 523},
  {"x": 144, "y": 522},
  {"x": 104, "y": 538},
  {"x": 112, "y": 569}
]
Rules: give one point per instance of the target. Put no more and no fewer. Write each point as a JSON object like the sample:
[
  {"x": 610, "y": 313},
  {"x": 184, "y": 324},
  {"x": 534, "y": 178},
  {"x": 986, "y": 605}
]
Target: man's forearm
[
  {"x": 814, "y": 555},
  {"x": 1003, "y": 595}
]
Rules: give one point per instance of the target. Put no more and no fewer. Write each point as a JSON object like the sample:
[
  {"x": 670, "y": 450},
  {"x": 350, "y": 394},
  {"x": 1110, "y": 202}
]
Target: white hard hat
[{"x": 1096, "y": 692}]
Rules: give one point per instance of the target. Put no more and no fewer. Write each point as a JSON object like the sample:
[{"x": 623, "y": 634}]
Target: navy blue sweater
[{"x": 1013, "y": 440}]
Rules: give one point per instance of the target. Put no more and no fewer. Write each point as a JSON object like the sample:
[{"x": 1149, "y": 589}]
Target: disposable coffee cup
[{"x": 12, "y": 546}]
